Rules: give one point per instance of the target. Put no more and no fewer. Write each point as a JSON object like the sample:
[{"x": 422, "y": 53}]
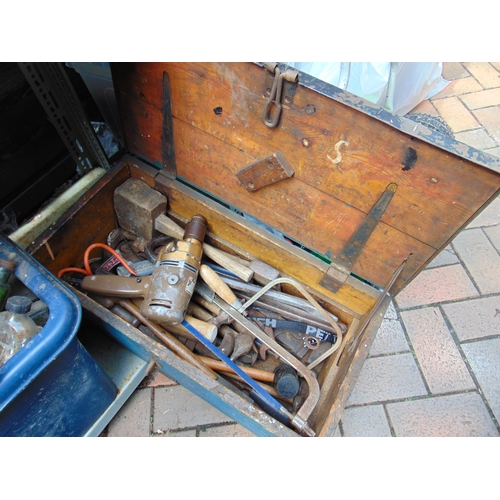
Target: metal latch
[{"x": 283, "y": 88}]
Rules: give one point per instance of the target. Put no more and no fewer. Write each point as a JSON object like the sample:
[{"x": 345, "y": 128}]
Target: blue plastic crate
[{"x": 51, "y": 387}]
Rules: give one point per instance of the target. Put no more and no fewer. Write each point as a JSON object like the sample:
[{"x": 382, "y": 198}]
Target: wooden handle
[
  {"x": 170, "y": 228},
  {"x": 208, "y": 330},
  {"x": 171, "y": 342},
  {"x": 214, "y": 281},
  {"x": 199, "y": 312},
  {"x": 229, "y": 262}
]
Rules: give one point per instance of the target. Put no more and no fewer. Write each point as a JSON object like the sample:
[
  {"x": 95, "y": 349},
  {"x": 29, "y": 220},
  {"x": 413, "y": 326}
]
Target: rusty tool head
[{"x": 243, "y": 343}]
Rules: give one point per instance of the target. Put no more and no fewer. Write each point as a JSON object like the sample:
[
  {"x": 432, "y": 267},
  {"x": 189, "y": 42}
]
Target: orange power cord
[{"x": 87, "y": 271}]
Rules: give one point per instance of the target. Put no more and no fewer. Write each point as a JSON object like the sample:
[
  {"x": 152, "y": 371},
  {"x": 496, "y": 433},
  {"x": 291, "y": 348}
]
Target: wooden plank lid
[{"x": 360, "y": 186}]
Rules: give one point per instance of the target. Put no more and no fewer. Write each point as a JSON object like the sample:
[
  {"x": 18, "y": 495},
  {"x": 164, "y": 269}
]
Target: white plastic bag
[{"x": 398, "y": 87}]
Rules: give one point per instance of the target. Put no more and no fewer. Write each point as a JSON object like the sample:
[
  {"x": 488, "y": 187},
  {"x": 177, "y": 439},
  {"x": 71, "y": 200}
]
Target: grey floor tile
[
  {"x": 177, "y": 408},
  {"x": 446, "y": 257},
  {"x": 387, "y": 377},
  {"x": 365, "y": 421},
  {"x": 458, "y": 415},
  {"x": 437, "y": 353},
  {"x": 484, "y": 358},
  {"x": 441, "y": 284},
  {"x": 391, "y": 311},
  {"x": 480, "y": 258},
  {"x": 133, "y": 419},
  {"x": 181, "y": 434},
  {"x": 476, "y": 318},
  {"x": 493, "y": 234},
  {"x": 490, "y": 216},
  {"x": 231, "y": 430},
  {"x": 389, "y": 339}
]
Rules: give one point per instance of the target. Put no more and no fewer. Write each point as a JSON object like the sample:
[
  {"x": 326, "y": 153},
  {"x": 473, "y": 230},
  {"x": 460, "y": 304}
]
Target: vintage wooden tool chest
[{"x": 364, "y": 200}]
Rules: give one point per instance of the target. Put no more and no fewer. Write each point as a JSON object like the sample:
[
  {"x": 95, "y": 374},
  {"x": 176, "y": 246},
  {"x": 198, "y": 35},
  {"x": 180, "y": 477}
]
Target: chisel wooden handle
[
  {"x": 214, "y": 281},
  {"x": 170, "y": 228},
  {"x": 208, "y": 330}
]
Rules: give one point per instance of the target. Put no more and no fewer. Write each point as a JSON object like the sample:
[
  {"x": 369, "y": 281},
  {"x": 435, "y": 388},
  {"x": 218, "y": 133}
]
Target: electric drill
[{"x": 169, "y": 289}]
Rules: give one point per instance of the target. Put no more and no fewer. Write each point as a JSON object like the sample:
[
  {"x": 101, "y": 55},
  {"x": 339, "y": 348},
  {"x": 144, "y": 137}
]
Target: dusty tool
[
  {"x": 242, "y": 345},
  {"x": 255, "y": 373},
  {"x": 167, "y": 226},
  {"x": 279, "y": 299},
  {"x": 137, "y": 206},
  {"x": 228, "y": 334},
  {"x": 169, "y": 289},
  {"x": 258, "y": 394},
  {"x": 286, "y": 381},
  {"x": 296, "y": 326},
  {"x": 170, "y": 341},
  {"x": 224, "y": 301}
]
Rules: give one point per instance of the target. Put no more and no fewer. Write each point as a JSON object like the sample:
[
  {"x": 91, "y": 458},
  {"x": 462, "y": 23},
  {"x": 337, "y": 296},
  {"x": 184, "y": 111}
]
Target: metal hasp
[
  {"x": 283, "y": 88},
  {"x": 264, "y": 172},
  {"x": 341, "y": 266},
  {"x": 55, "y": 92}
]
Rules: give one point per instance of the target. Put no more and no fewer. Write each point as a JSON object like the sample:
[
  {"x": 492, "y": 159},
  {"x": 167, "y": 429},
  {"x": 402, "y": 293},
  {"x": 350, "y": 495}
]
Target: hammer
[{"x": 167, "y": 226}]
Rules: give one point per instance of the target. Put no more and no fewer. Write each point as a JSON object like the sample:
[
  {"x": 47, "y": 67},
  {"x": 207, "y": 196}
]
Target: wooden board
[{"x": 343, "y": 158}]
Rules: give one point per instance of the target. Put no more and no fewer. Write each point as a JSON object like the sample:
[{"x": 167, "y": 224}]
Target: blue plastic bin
[{"x": 51, "y": 387}]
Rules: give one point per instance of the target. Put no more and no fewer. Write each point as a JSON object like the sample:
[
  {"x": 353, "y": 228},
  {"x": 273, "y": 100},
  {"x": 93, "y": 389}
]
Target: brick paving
[{"x": 434, "y": 366}]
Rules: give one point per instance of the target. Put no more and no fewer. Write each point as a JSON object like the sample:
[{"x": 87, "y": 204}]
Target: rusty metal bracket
[
  {"x": 169, "y": 168},
  {"x": 265, "y": 171},
  {"x": 342, "y": 265},
  {"x": 280, "y": 86}
]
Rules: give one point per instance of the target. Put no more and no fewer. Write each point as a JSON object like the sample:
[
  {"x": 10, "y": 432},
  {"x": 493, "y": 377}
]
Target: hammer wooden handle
[{"x": 167, "y": 226}]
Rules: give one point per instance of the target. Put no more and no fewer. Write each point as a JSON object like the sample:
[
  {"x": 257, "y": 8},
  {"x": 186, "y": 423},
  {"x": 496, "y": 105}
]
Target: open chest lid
[{"x": 363, "y": 188}]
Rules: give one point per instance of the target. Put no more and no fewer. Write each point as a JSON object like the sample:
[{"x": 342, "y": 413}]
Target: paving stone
[
  {"x": 483, "y": 357},
  {"x": 438, "y": 356},
  {"x": 477, "y": 138},
  {"x": 454, "y": 70},
  {"x": 158, "y": 379},
  {"x": 441, "y": 284},
  {"x": 493, "y": 233},
  {"x": 473, "y": 319},
  {"x": 481, "y": 99},
  {"x": 490, "y": 216},
  {"x": 231, "y": 430},
  {"x": 489, "y": 118},
  {"x": 180, "y": 434},
  {"x": 391, "y": 313},
  {"x": 133, "y": 419},
  {"x": 445, "y": 257},
  {"x": 496, "y": 65},
  {"x": 425, "y": 107},
  {"x": 385, "y": 378},
  {"x": 176, "y": 408},
  {"x": 390, "y": 338},
  {"x": 458, "y": 87},
  {"x": 480, "y": 258},
  {"x": 493, "y": 152},
  {"x": 484, "y": 73},
  {"x": 455, "y": 114},
  {"x": 457, "y": 415},
  {"x": 365, "y": 421}
]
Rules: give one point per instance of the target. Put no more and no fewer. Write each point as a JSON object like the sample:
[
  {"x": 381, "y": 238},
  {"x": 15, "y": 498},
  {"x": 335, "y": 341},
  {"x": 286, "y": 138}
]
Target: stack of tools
[{"x": 235, "y": 322}]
